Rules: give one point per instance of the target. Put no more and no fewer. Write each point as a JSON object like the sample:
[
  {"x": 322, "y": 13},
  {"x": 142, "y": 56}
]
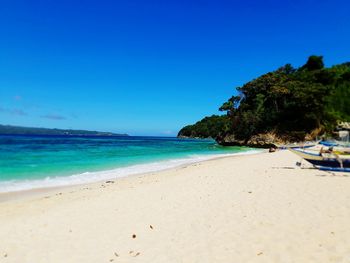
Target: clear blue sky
[{"x": 151, "y": 67}]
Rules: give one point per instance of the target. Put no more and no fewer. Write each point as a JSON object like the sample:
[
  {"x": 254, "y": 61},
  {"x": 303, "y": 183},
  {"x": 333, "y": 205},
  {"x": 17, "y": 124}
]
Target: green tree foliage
[
  {"x": 208, "y": 127},
  {"x": 339, "y": 102},
  {"x": 286, "y": 101},
  {"x": 314, "y": 63}
]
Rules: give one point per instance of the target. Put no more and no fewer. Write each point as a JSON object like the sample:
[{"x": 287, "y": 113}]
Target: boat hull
[
  {"x": 333, "y": 169},
  {"x": 319, "y": 160}
]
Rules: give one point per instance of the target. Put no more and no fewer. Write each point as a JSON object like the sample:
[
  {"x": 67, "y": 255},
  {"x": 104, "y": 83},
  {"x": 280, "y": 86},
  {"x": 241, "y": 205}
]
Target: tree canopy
[
  {"x": 293, "y": 101},
  {"x": 207, "y": 127}
]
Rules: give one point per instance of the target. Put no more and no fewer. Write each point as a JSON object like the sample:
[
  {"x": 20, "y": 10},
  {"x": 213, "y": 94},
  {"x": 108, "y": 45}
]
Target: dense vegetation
[
  {"x": 288, "y": 101},
  {"x": 16, "y": 130},
  {"x": 207, "y": 127}
]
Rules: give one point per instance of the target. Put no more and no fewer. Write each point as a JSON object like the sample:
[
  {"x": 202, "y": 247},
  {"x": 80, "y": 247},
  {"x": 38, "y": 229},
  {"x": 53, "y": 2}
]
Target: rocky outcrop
[{"x": 263, "y": 140}]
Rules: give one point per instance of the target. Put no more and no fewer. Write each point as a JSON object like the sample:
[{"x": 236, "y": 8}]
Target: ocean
[{"x": 29, "y": 162}]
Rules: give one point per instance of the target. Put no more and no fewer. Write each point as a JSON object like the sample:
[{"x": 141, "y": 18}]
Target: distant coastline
[{"x": 19, "y": 130}]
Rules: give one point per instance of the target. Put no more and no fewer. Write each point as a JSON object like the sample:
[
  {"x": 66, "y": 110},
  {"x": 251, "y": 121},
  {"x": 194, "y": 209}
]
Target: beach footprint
[{"x": 134, "y": 253}]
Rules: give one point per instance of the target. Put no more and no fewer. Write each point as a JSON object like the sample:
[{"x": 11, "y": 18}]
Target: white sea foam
[{"x": 89, "y": 177}]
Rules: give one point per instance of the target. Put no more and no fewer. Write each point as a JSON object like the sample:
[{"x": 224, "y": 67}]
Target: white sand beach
[{"x": 252, "y": 208}]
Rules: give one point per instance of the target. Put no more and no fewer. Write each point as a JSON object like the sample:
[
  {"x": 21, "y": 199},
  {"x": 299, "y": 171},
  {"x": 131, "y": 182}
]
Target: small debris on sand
[
  {"x": 5, "y": 255},
  {"x": 260, "y": 253},
  {"x": 249, "y": 192},
  {"x": 116, "y": 254},
  {"x": 109, "y": 182},
  {"x": 150, "y": 226},
  {"x": 133, "y": 236}
]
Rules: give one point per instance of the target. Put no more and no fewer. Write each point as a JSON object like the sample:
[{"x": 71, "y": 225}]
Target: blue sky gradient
[{"x": 151, "y": 67}]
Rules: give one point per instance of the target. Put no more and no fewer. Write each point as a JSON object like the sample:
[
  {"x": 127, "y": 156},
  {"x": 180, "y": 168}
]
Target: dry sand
[{"x": 258, "y": 208}]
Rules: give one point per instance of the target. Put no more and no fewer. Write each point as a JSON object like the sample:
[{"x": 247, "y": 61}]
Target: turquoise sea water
[{"x": 40, "y": 161}]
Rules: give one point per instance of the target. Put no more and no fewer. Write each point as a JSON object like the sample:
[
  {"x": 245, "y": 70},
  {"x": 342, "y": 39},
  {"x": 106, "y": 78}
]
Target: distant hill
[
  {"x": 17, "y": 130},
  {"x": 286, "y": 105}
]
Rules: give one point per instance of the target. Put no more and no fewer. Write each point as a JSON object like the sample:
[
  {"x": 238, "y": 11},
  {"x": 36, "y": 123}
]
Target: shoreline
[
  {"x": 42, "y": 191},
  {"x": 251, "y": 208}
]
